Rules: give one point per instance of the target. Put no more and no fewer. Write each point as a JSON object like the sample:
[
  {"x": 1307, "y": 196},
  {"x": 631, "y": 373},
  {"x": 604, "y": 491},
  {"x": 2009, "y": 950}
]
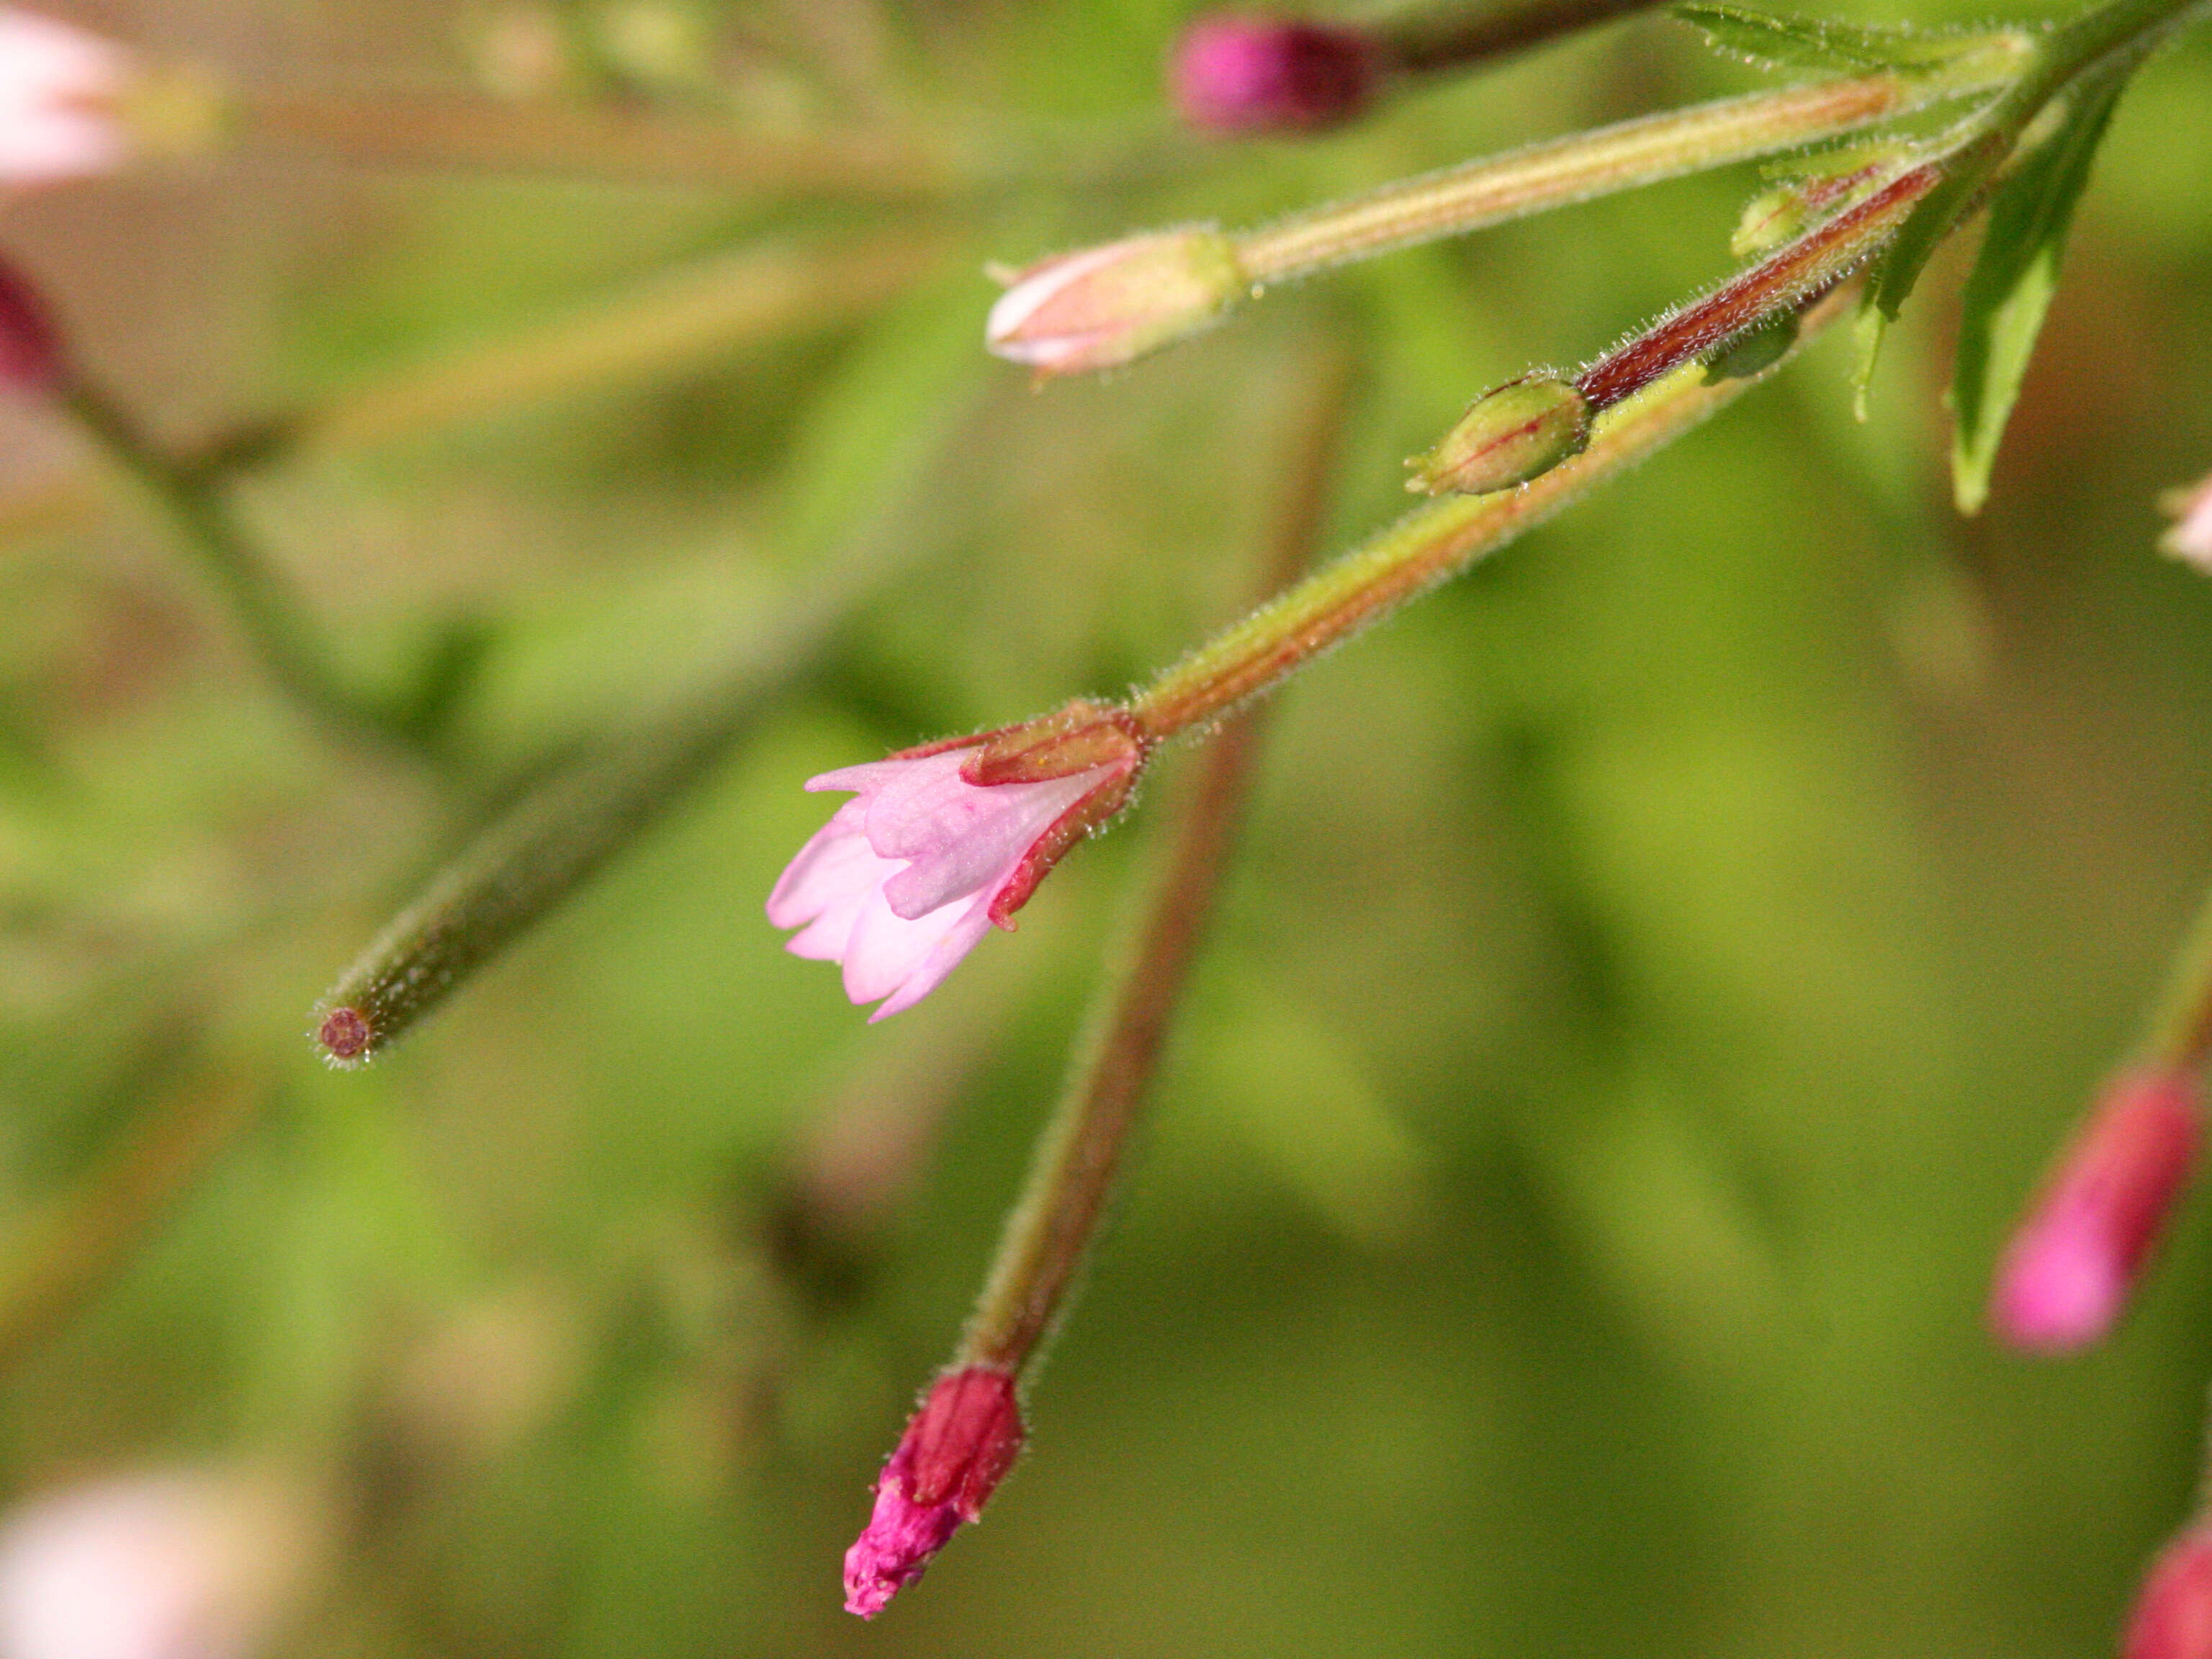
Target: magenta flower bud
[
  {"x": 954, "y": 1453},
  {"x": 30, "y": 347},
  {"x": 1243, "y": 73},
  {"x": 940, "y": 843},
  {"x": 2172, "y": 1617},
  {"x": 2068, "y": 1271},
  {"x": 1103, "y": 307}
]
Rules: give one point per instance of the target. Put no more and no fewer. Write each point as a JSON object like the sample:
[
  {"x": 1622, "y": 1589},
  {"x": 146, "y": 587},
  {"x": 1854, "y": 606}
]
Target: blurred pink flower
[
  {"x": 2172, "y": 1617},
  {"x": 955, "y": 1451},
  {"x": 2190, "y": 538},
  {"x": 2068, "y": 1271},
  {"x": 907, "y": 876},
  {"x": 150, "y": 1566},
  {"x": 59, "y": 86},
  {"x": 1243, "y": 73}
]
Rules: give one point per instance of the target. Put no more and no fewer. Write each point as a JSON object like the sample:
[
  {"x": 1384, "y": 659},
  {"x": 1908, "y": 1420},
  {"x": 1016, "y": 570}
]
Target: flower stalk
[
  {"x": 1427, "y": 546},
  {"x": 1102, "y": 306},
  {"x": 1627, "y": 156}
]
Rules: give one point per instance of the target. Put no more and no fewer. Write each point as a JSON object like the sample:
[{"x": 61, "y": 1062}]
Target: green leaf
[
  {"x": 2012, "y": 284},
  {"x": 1821, "y": 43},
  {"x": 1867, "y": 329},
  {"x": 1967, "y": 172}
]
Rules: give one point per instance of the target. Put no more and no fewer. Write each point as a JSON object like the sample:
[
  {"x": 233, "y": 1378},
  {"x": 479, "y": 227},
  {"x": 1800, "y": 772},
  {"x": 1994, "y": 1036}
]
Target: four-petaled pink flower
[
  {"x": 958, "y": 1447},
  {"x": 59, "y": 86},
  {"x": 940, "y": 843},
  {"x": 2068, "y": 1271}
]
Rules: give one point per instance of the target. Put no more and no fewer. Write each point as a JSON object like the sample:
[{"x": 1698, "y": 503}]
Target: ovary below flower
[
  {"x": 59, "y": 89},
  {"x": 908, "y": 876}
]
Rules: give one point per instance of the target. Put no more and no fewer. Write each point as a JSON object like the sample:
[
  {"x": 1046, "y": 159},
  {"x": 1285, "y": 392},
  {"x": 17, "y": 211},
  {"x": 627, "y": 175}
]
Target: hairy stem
[
  {"x": 1625, "y": 156},
  {"x": 1423, "y": 549}
]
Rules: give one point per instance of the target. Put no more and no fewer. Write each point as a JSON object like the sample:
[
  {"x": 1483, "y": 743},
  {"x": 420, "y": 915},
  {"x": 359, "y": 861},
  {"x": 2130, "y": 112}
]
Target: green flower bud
[{"x": 1520, "y": 431}]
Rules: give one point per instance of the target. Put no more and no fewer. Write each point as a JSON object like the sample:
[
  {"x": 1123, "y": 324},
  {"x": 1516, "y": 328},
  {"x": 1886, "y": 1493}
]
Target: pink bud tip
[
  {"x": 955, "y": 1451},
  {"x": 1237, "y": 73},
  {"x": 344, "y": 1033},
  {"x": 30, "y": 348},
  {"x": 2172, "y": 1617},
  {"x": 2066, "y": 1274}
]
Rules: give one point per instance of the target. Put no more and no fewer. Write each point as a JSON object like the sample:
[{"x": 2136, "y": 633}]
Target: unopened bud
[
  {"x": 1781, "y": 215},
  {"x": 2172, "y": 1616},
  {"x": 954, "y": 1453},
  {"x": 1256, "y": 74},
  {"x": 30, "y": 346},
  {"x": 2190, "y": 538},
  {"x": 2067, "y": 1273},
  {"x": 1521, "y": 431},
  {"x": 1102, "y": 306}
]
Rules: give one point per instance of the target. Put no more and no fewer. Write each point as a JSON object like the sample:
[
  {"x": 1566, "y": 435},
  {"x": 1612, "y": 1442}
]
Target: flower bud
[
  {"x": 1521, "y": 431},
  {"x": 30, "y": 347},
  {"x": 1102, "y": 306},
  {"x": 1242, "y": 74},
  {"x": 2067, "y": 1273},
  {"x": 2190, "y": 538},
  {"x": 954, "y": 1453},
  {"x": 2172, "y": 1616}
]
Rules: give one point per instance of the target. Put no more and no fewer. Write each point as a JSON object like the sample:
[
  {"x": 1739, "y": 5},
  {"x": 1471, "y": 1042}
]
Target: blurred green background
[{"x": 1658, "y": 967}]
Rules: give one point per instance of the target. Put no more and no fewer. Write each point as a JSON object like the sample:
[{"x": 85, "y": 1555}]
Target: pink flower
[
  {"x": 153, "y": 1566},
  {"x": 59, "y": 86},
  {"x": 2190, "y": 538},
  {"x": 2172, "y": 1617},
  {"x": 939, "y": 844},
  {"x": 1102, "y": 306},
  {"x": 1239, "y": 74},
  {"x": 2068, "y": 1271},
  {"x": 955, "y": 1451}
]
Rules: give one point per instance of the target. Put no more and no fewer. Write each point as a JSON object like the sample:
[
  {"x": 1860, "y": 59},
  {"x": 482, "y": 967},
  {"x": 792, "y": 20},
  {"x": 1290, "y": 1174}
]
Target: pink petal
[
  {"x": 943, "y": 957},
  {"x": 836, "y": 864},
  {"x": 885, "y": 950},
  {"x": 1003, "y": 820}
]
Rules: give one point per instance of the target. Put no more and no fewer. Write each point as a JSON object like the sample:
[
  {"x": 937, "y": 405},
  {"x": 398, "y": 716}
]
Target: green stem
[
  {"x": 1627, "y": 156},
  {"x": 1426, "y": 547},
  {"x": 268, "y": 612},
  {"x": 1051, "y": 1230},
  {"x": 2180, "y": 1037}
]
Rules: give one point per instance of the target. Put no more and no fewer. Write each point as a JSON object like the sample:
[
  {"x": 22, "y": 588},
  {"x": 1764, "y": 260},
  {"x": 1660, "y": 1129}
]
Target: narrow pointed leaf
[
  {"x": 1775, "y": 42},
  {"x": 2012, "y": 284},
  {"x": 1968, "y": 174}
]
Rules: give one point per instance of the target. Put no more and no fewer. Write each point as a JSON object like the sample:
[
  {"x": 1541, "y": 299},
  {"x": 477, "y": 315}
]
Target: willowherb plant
[{"x": 1887, "y": 144}]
